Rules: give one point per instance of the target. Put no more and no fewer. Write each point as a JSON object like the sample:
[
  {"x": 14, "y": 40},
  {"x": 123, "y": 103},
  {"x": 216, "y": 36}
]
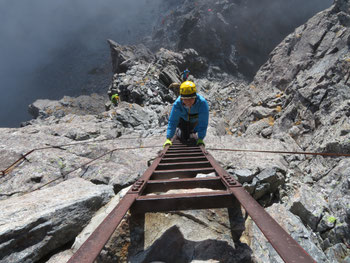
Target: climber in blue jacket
[{"x": 190, "y": 114}]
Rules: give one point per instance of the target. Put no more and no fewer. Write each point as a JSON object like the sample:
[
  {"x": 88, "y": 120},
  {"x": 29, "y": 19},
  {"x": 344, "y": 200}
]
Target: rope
[
  {"x": 23, "y": 156},
  {"x": 85, "y": 164},
  {"x": 4, "y": 172},
  {"x": 280, "y": 152}
]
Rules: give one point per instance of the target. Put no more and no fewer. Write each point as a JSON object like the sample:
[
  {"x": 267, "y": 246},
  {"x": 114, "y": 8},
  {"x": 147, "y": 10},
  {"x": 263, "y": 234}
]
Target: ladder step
[
  {"x": 177, "y": 155},
  {"x": 184, "y": 159},
  {"x": 181, "y": 173},
  {"x": 182, "y": 165},
  {"x": 183, "y": 148},
  {"x": 213, "y": 183},
  {"x": 185, "y": 151},
  {"x": 174, "y": 202}
]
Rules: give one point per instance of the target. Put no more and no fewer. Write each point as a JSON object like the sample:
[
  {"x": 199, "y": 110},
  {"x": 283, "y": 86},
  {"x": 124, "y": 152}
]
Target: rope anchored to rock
[
  {"x": 23, "y": 156},
  {"x": 281, "y": 152},
  {"x": 95, "y": 159}
]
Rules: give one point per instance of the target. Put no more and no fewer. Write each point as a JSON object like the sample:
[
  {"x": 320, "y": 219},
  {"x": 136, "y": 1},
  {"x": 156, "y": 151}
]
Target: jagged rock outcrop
[
  {"x": 42, "y": 166},
  {"x": 233, "y": 35},
  {"x": 117, "y": 170},
  {"x": 147, "y": 84},
  {"x": 81, "y": 105},
  {"x": 308, "y": 98},
  {"x": 36, "y": 224},
  {"x": 124, "y": 57},
  {"x": 304, "y": 80},
  {"x": 264, "y": 252},
  {"x": 302, "y": 91}
]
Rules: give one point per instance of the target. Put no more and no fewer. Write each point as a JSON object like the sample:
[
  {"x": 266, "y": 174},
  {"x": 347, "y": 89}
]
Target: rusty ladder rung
[
  {"x": 183, "y": 155},
  {"x": 185, "y": 183},
  {"x": 183, "y": 159},
  {"x": 185, "y": 151},
  {"x": 181, "y": 172},
  {"x": 183, "y": 165},
  {"x": 188, "y": 201}
]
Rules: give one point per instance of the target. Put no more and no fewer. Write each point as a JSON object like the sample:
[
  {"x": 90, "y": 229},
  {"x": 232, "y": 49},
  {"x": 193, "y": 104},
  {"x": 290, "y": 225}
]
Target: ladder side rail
[
  {"x": 92, "y": 247},
  {"x": 288, "y": 249}
]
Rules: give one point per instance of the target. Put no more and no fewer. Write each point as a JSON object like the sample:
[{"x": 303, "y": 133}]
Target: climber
[
  {"x": 185, "y": 74},
  {"x": 189, "y": 115},
  {"x": 175, "y": 87},
  {"x": 115, "y": 99}
]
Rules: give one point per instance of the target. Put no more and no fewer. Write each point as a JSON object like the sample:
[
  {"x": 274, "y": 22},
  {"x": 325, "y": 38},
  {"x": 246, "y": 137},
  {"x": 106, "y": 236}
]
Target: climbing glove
[
  {"x": 167, "y": 142},
  {"x": 200, "y": 142}
]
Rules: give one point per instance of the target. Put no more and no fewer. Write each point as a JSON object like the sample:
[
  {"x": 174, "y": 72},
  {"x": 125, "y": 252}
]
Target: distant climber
[
  {"x": 189, "y": 115},
  {"x": 175, "y": 87},
  {"x": 115, "y": 99},
  {"x": 185, "y": 75},
  {"x": 113, "y": 94}
]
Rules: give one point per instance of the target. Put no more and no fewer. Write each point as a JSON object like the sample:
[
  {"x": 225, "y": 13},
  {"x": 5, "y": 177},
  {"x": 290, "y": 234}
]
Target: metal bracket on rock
[
  {"x": 137, "y": 186},
  {"x": 230, "y": 181}
]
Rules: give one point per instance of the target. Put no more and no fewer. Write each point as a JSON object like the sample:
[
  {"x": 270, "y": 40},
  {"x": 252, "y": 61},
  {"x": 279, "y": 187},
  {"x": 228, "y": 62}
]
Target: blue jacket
[{"x": 198, "y": 112}]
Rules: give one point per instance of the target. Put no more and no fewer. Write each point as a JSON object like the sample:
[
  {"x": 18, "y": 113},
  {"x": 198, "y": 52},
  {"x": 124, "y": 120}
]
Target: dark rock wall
[{"x": 236, "y": 35}]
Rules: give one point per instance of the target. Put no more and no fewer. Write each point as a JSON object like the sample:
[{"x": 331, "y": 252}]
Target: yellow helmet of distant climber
[
  {"x": 188, "y": 90},
  {"x": 115, "y": 98}
]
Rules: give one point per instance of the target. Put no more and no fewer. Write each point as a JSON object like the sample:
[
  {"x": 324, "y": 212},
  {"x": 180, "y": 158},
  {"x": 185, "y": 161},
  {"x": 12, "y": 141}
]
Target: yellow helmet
[
  {"x": 188, "y": 89},
  {"x": 115, "y": 98}
]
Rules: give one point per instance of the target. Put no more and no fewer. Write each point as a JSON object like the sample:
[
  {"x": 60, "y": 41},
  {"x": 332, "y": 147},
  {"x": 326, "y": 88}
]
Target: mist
[{"x": 48, "y": 49}]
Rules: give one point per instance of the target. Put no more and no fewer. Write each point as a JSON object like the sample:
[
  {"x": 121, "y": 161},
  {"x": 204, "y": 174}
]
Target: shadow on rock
[{"x": 172, "y": 246}]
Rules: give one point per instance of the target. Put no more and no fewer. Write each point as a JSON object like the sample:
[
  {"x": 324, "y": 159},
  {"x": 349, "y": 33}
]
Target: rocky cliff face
[
  {"x": 235, "y": 35},
  {"x": 54, "y": 198},
  {"x": 301, "y": 94}
]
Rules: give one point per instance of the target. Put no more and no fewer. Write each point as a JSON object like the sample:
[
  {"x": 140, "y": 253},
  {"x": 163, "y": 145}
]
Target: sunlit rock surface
[{"x": 298, "y": 101}]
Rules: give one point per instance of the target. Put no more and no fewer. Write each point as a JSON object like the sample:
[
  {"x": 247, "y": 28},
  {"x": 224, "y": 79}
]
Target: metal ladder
[{"x": 175, "y": 168}]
